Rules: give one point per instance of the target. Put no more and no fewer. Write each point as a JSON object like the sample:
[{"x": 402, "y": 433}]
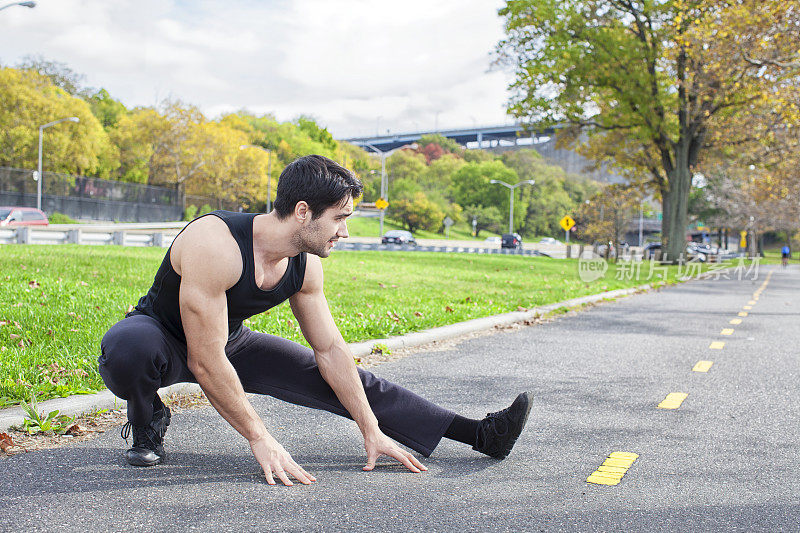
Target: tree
[
  {"x": 605, "y": 217},
  {"x": 178, "y": 153},
  {"x": 309, "y": 126},
  {"x": 471, "y": 184},
  {"x": 751, "y": 199},
  {"x": 418, "y": 213},
  {"x": 648, "y": 81},
  {"x": 29, "y": 100},
  {"x": 438, "y": 176},
  {"x": 438, "y": 145},
  {"x": 404, "y": 165},
  {"x": 554, "y": 195},
  {"x": 485, "y": 218},
  {"x": 136, "y": 135},
  {"x": 107, "y": 110},
  {"x": 59, "y": 73}
]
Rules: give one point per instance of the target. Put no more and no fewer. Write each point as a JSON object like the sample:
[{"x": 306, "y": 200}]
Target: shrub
[{"x": 61, "y": 218}]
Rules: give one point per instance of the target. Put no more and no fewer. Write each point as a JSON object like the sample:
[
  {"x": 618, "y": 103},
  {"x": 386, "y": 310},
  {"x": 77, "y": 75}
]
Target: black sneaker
[
  {"x": 498, "y": 432},
  {"x": 148, "y": 441}
]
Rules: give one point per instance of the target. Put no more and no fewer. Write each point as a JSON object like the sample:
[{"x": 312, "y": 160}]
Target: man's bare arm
[
  {"x": 338, "y": 368},
  {"x": 203, "y": 309}
]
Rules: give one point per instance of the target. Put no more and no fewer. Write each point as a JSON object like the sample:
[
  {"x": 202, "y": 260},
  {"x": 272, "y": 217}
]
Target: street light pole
[
  {"x": 384, "y": 181},
  {"x": 40, "y": 176},
  {"x": 511, "y": 191},
  {"x": 641, "y": 221},
  {"x": 23, "y": 4},
  {"x": 269, "y": 171},
  {"x": 383, "y": 177}
]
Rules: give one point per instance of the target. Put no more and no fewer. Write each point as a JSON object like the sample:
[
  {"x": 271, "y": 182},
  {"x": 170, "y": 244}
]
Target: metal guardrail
[
  {"x": 162, "y": 235},
  {"x": 358, "y": 246}
]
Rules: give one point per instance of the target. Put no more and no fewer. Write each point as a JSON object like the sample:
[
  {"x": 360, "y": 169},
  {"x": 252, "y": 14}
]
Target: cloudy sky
[{"x": 358, "y": 66}]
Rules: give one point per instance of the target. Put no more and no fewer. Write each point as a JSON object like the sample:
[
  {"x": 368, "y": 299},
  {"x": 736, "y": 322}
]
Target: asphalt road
[{"x": 726, "y": 459}]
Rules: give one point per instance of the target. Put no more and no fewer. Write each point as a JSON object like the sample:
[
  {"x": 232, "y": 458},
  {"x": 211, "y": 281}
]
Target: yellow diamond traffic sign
[
  {"x": 566, "y": 222},
  {"x": 380, "y": 203}
]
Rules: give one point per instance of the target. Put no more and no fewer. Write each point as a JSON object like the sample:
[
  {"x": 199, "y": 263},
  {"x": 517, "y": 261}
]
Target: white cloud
[{"x": 354, "y": 64}]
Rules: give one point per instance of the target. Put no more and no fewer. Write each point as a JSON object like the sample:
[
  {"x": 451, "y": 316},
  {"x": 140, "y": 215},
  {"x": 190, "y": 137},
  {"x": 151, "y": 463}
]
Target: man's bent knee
[{"x": 128, "y": 356}]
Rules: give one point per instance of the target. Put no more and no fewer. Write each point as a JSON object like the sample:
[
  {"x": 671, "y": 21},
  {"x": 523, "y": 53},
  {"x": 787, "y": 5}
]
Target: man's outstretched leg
[{"x": 271, "y": 365}]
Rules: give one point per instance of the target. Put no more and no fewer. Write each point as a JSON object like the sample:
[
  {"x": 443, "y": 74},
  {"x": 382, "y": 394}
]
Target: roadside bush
[
  {"x": 61, "y": 218},
  {"x": 190, "y": 213}
]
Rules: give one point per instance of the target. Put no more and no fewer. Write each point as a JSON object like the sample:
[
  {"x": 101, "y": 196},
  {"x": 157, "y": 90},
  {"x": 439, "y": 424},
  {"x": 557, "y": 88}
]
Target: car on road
[
  {"x": 605, "y": 247},
  {"x": 511, "y": 240},
  {"x": 649, "y": 250},
  {"x": 549, "y": 240},
  {"x": 492, "y": 240},
  {"x": 397, "y": 236},
  {"x": 700, "y": 251},
  {"x": 696, "y": 251},
  {"x": 22, "y": 216}
]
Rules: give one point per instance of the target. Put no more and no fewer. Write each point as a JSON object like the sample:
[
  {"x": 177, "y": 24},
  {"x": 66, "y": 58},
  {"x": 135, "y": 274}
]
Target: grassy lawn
[
  {"x": 57, "y": 301},
  {"x": 772, "y": 256}
]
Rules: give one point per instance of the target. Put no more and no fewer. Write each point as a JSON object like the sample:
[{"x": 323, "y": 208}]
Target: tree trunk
[{"x": 675, "y": 204}]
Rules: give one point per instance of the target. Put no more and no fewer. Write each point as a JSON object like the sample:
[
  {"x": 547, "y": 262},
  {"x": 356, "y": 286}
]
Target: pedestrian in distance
[
  {"x": 786, "y": 253},
  {"x": 225, "y": 267}
]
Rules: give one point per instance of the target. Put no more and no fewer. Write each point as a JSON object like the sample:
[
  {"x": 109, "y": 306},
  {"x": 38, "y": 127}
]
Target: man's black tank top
[{"x": 245, "y": 298}]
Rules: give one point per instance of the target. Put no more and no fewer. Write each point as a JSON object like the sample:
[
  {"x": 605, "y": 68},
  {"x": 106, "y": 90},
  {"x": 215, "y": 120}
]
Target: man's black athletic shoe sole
[
  {"x": 498, "y": 432},
  {"x": 148, "y": 448},
  {"x": 137, "y": 456}
]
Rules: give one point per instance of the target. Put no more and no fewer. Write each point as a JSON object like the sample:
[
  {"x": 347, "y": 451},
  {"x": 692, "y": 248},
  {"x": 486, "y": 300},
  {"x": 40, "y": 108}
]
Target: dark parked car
[
  {"x": 511, "y": 240},
  {"x": 22, "y": 216},
  {"x": 649, "y": 251},
  {"x": 398, "y": 237}
]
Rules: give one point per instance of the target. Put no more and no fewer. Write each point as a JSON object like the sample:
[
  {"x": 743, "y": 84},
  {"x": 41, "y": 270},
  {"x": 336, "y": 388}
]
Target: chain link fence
[{"x": 87, "y": 198}]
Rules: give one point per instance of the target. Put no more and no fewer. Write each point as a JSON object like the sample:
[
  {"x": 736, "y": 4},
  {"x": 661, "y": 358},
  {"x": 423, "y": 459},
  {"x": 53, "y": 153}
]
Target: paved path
[{"x": 726, "y": 459}]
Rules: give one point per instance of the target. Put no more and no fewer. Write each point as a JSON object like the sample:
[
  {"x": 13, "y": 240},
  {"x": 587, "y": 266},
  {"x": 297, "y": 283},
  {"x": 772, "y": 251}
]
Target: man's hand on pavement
[
  {"x": 379, "y": 444},
  {"x": 274, "y": 459}
]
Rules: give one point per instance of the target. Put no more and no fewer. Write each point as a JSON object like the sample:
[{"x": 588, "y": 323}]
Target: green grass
[
  {"x": 772, "y": 256},
  {"x": 56, "y": 302}
]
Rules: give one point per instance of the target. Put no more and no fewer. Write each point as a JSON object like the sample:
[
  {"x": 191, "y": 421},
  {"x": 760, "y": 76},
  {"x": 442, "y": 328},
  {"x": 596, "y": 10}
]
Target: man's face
[{"x": 320, "y": 235}]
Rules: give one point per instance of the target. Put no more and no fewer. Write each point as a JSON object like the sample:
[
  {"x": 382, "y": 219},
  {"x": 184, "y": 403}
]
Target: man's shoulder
[
  {"x": 313, "y": 277},
  {"x": 208, "y": 231},
  {"x": 207, "y": 241}
]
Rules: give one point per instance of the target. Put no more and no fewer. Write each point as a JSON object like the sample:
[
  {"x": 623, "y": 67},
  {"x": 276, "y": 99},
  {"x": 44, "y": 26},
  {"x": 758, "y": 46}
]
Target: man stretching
[{"x": 225, "y": 267}]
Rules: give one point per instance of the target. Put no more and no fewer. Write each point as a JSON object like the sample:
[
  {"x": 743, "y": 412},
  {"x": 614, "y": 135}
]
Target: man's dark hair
[{"x": 318, "y": 181}]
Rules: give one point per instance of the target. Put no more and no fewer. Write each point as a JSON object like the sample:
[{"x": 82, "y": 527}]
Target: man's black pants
[{"x": 138, "y": 356}]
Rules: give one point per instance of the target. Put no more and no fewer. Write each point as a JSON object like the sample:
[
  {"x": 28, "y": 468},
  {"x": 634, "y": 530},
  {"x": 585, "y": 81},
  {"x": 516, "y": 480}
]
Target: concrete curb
[
  {"x": 418, "y": 338},
  {"x": 80, "y": 404}
]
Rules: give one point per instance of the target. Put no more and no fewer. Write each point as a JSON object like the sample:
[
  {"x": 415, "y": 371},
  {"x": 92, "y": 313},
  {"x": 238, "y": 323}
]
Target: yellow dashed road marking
[
  {"x": 747, "y": 307},
  {"x": 702, "y": 366},
  {"x": 736, "y": 321},
  {"x": 742, "y": 313},
  {"x": 673, "y": 400},
  {"x": 726, "y": 331},
  {"x": 599, "y": 479},
  {"x": 717, "y": 345},
  {"x": 751, "y": 302},
  {"x": 613, "y": 468},
  {"x": 623, "y": 455}
]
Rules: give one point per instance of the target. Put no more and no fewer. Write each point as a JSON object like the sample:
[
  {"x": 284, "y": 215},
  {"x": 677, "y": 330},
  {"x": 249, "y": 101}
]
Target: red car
[{"x": 22, "y": 216}]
